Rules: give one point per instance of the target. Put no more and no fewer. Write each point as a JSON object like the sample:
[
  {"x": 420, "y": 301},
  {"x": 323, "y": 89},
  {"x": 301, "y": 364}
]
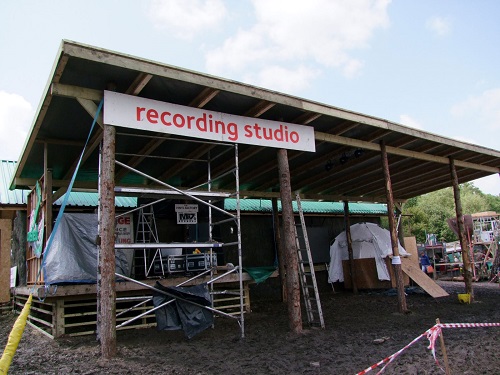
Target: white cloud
[
  {"x": 407, "y": 120},
  {"x": 319, "y": 33},
  {"x": 489, "y": 185},
  {"x": 187, "y": 18},
  {"x": 283, "y": 79},
  {"x": 481, "y": 109},
  {"x": 16, "y": 114},
  {"x": 439, "y": 25}
]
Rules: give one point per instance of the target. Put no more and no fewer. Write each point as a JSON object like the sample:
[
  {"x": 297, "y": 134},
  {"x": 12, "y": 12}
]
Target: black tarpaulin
[{"x": 181, "y": 314}]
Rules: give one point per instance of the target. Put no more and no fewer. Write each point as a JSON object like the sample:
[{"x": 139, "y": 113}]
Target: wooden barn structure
[{"x": 164, "y": 132}]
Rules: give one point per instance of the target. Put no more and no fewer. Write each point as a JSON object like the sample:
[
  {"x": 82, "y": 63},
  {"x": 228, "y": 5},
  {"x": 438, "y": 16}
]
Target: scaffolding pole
[{"x": 194, "y": 196}]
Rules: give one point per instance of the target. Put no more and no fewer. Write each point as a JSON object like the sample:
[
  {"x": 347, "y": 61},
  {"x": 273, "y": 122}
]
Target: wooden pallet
[{"x": 76, "y": 315}]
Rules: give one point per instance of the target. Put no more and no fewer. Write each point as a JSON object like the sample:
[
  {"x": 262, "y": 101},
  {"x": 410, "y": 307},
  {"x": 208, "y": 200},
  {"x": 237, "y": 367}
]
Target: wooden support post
[
  {"x": 47, "y": 193},
  {"x": 290, "y": 244},
  {"x": 279, "y": 248},
  {"x": 461, "y": 231},
  {"x": 246, "y": 292},
  {"x": 106, "y": 311},
  {"x": 5, "y": 248},
  {"x": 443, "y": 350},
  {"x": 352, "y": 269},
  {"x": 47, "y": 182},
  {"x": 58, "y": 318},
  {"x": 396, "y": 261}
]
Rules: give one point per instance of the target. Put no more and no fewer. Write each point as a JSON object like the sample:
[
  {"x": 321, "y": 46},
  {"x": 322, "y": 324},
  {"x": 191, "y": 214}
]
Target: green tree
[
  {"x": 493, "y": 202},
  {"x": 429, "y": 213}
]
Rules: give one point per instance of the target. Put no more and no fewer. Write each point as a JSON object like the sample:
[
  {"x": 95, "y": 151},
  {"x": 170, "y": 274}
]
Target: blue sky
[{"x": 431, "y": 65}]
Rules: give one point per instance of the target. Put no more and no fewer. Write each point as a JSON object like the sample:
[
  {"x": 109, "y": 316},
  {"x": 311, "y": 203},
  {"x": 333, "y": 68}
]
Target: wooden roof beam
[
  {"x": 199, "y": 101},
  {"x": 259, "y": 109},
  {"x": 204, "y": 97},
  {"x": 307, "y": 166},
  {"x": 352, "y": 177},
  {"x": 143, "y": 153},
  {"x": 402, "y": 152},
  {"x": 139, "y": 83},
  {"x": 315, "y": 180},
  {"x": 400, "y": 172},
  {"x": 200, "y": 151},
  {"x": 425, "y": 189}
]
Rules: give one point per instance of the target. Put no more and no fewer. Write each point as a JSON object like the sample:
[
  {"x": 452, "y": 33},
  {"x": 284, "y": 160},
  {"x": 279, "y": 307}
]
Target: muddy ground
[{"x": 346, "y": 346}]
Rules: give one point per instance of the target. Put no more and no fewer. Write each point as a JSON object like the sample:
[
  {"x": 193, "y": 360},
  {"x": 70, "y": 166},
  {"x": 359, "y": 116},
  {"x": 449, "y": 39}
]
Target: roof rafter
[{"x": 402, "y": 152}]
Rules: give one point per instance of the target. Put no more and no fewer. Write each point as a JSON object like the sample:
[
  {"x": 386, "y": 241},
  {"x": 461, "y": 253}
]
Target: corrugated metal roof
[
  {"x": 78, "y": 199},
  {"x": 10, "y": 197},
  {"x": 84, "y": 199},
  {"x": 265, "y": 205}
]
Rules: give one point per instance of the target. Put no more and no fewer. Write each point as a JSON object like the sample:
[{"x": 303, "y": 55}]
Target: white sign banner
[
  {"x": 152, "y": 115},
  {"x": 124, "y": 232},
  {"x": 188, "y": 208}
]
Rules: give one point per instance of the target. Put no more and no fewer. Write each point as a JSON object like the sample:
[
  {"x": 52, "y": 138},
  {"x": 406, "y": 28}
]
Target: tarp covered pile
[{"x": 73, "y": 255}]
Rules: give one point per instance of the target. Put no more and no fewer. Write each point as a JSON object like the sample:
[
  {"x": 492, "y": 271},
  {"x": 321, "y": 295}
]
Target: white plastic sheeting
[
  {"x": 72, "y": 257},
  {"x": 368, "y": 241}
]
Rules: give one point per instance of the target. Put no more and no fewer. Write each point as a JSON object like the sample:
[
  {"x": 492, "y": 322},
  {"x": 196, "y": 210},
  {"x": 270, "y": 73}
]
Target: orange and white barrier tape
[{"x": 432, "y": 334}]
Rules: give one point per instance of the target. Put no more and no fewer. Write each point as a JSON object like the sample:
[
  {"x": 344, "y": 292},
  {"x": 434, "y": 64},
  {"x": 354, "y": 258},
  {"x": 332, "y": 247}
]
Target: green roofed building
[{"x": 309, "y": 207}]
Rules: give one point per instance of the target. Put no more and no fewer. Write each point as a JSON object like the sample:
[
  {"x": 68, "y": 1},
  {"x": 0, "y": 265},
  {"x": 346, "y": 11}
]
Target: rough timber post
[
  {"x": 396, "y": 261},
  {"x": 290, "y": 245},
  {"x": 106, "y": 313},
  {"x": 352, "y": 269},
  {"x": 279, "y": 248},
  {"x": 47, "y": 193},
  {"x": 461, "y": 231}
]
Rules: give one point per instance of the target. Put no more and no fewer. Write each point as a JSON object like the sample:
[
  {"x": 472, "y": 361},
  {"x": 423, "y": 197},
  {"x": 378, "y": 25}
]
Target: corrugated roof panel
[
  {"x": 85, "y": 199},
  {"x": 11, "y": 197},
  {"x": 78, "y": 199},
  {"x": 265, "y": 205}
]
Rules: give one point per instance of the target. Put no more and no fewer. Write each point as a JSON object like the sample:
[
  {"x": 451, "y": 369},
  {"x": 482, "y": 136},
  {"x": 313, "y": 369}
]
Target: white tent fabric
[{"x": 368, "y": 241}]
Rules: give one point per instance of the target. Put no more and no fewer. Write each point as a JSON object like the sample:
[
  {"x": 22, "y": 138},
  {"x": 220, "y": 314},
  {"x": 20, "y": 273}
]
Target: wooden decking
[{"x": 72, "y": 309}]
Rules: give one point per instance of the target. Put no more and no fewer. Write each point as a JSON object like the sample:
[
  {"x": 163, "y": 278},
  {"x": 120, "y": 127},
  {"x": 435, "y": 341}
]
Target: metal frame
[{"x": 195, "y": 195}]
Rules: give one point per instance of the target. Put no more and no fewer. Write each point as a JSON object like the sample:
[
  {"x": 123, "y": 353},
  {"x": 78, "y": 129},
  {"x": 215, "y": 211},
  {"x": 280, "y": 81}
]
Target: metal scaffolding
[{"x": 208, "y": 198}]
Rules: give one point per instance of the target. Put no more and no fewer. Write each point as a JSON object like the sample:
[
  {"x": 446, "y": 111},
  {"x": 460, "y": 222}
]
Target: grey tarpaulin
[
  {"x": 180, "y": 314},
  {"x": 73, "y": 255}
]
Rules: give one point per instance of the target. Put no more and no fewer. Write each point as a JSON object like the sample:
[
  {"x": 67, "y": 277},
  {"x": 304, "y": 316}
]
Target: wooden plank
[
  {"x": 424, "y": 281},
  {"x": 366, "y": 275},
  {"x": 128, "y": 286},
  {"x": 40, "y": 330},
  {"x": 401, "y": 152},
  {"x": 44, "y": 322},
  {"x": 410, "y": 245},
  {"x": 59, "y": 89},
  {"x": 59, "y": 319},
  {"x": 5, "y": 238}
]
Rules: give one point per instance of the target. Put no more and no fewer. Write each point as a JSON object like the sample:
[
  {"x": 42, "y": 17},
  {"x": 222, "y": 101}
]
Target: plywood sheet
[
  {"x": 5, "y": 239},
  {"x": 410, "y": 245},
  {"x": 366, "y": 275},
  {"x": 424, "y": 281}
]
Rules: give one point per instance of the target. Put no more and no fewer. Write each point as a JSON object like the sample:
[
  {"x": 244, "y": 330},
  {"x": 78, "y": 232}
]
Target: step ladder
[
  {"x": 308, "y": 282},
  {"x": 147, "y": 232}
]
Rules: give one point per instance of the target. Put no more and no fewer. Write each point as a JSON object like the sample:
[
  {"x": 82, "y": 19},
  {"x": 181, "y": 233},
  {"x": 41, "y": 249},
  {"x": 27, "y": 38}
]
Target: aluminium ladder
[
  {"x": 308, "y": 282},
  {"x": 147, "y": 233}
]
